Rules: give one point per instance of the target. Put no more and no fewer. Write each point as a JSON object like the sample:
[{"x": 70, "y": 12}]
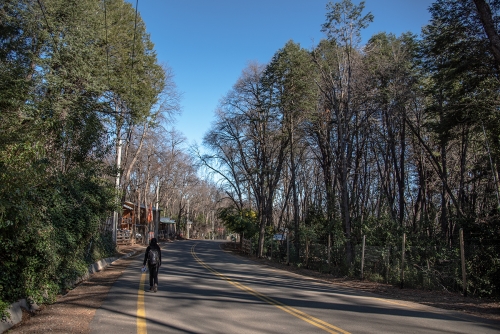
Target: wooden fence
[
  {"x": 247, "y": 246},
  {"x": 123, "y": 237}
]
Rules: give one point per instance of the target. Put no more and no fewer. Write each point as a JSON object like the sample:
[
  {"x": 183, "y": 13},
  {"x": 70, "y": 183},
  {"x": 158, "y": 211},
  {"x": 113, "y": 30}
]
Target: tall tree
[
  {"x": 67, "y": 73},
  {"x": 460, "y": 87},
  {"x": 135, "y": 80},
  {"x": 389, "y": 60},
  {"x": 290, "y": 82},
  {"x": 337, "y": 84},
  {"x": 54, "y": 156},
  {"x": 490, "y": 27}
]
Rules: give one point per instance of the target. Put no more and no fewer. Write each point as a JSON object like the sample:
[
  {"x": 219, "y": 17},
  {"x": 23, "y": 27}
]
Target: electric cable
[
  {"x": 133, "y": 44},
  {"x": 106, "y": 35},
  {"x": 42, "y": 8}
]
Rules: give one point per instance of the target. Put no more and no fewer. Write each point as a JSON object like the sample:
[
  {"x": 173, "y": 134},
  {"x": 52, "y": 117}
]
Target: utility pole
[
  {"x": 187, "y": 221},
  {"x": 117, "y": 185},
  {"x": 213, "y": 227},
  {"x": 156, "y": 221}
]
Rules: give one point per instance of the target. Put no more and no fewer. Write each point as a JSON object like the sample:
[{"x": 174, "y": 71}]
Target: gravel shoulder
[
  {"x": 480, "y": 307},
  {"x": 73, "y": 312}
]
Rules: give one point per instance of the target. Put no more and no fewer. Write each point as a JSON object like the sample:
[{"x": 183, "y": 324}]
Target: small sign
[{"x": 279, "y": 237}]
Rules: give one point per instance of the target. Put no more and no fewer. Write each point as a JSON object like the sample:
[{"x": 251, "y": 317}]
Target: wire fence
[
  {"x": 469, "y": 264},
  {"x": 414, "y": 261}
]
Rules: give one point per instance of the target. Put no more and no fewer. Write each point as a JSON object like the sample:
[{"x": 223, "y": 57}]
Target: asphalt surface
[{"x": 203, "y": 289}]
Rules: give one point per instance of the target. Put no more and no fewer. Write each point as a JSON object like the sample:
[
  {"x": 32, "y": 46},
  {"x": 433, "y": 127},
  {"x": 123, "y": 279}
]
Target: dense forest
[{"x": 389, "y": 140}]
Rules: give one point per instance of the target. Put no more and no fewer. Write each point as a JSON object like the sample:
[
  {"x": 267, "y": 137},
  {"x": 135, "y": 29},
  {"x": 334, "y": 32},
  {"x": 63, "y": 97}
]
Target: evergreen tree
[{"x": 63, "y": 73}]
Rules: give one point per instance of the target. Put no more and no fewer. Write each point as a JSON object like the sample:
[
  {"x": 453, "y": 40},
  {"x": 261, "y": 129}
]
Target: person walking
[{"x": 153, "y": 260}]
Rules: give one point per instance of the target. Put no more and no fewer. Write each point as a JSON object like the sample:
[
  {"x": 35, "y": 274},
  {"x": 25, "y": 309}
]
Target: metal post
[
  {"x": 462, "y": 255},
  {"x": 156, "y": 220},
  {"x": 329, "y": 250},
  {"x": 387, "y": 264},
  {"x": 287, "y": 250},
  {"x": 363, "y": 256},
  {"x": 403, "y": 261}
]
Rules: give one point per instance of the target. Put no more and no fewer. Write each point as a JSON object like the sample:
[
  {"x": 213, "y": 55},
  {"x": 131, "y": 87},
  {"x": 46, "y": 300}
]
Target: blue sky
[{"x": 208, "y": 43}]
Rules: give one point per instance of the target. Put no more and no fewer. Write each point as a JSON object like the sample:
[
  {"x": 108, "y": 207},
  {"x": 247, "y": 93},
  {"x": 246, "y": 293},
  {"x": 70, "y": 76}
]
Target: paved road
[{"x": 203, "y": 289}]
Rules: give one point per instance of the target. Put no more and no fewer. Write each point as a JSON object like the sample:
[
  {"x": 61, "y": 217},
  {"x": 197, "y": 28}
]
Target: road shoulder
[{"x": 73, "y": 312}]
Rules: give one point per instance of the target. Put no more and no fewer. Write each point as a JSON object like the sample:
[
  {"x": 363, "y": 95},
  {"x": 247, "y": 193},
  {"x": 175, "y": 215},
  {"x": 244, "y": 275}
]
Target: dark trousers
[{"x": 153, "y": 274}]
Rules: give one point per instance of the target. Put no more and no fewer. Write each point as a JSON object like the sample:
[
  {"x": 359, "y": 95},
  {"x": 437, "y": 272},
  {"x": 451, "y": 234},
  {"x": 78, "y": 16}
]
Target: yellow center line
[
  {"x": 141, "y": 310},
  {"x": 293, "y": 311}
]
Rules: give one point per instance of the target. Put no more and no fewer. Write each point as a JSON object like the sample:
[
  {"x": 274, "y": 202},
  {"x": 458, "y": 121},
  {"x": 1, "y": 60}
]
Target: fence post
[
  {"x": 363, "y": 256},
  {"x": 329, "y": 250},
  {"x": 387, "y": 263},
  {"x": 287, "y": 250},
  {"x": 462, "y": 256},
  {"x": 403, "y": 261}
]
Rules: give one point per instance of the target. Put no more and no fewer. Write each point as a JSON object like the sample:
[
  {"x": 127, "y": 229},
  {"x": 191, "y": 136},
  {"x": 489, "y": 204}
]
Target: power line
[
  {"x": 107, "y": 46},
  {"x": 133, "y": 45},
  {"x": 42, "y": 8},
  {"x": 135, "y": 30}
]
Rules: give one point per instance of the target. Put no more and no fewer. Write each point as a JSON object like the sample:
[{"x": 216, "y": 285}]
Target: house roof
[
  {"x": 166, "y": 220},
  {"x": 125, "y": 206},
  {"x": 130, "y": 206}
]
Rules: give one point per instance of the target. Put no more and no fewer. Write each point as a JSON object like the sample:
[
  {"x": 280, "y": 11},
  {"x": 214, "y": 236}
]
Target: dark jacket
[{"x": 153, "y": 245}]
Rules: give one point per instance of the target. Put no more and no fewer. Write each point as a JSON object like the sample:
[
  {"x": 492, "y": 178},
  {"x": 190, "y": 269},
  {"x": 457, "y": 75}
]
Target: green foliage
[
  {"x": 315, "y": 222},
  {"x": 482, "y": 249},
  {"x": 59, "y": 86},
  {"x": 43, "y": 240},
  {"x": 133, "y": 83},
  {"x": 382, "y": 231},
  {"x": 462, "y": 85},
  {"x": 289, "y": 81},
  {"x": 242, "y": 221},
  {"x": 344, "y": 22}
]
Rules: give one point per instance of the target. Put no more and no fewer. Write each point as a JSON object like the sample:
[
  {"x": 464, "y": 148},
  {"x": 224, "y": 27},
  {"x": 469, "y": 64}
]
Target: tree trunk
[
  {"x": 484, "y": 11},
  {"x": 401, "y": 180},
  {"x": 294, "y": 194}
]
